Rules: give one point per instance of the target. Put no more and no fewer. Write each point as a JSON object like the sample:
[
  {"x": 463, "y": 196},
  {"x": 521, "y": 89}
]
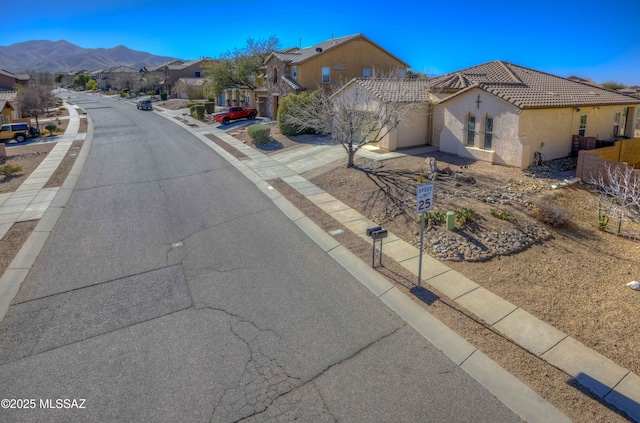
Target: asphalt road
[{"x": 173, "y": 290}]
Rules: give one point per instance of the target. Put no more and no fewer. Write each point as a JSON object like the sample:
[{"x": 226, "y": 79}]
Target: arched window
[
  {"x": 488, "y": 132},
  {"x": 471, "y": 130},
  {"x": 275, "y": 75}
]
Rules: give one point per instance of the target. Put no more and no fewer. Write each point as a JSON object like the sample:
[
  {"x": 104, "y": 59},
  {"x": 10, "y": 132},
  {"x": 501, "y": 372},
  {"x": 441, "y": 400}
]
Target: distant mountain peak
[{"x": 63, "y": 56}]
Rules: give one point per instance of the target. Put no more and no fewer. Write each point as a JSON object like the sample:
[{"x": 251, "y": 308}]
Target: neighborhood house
[
  {"x": 324, "y": 65},
  {"x": 506, "y": 114}
]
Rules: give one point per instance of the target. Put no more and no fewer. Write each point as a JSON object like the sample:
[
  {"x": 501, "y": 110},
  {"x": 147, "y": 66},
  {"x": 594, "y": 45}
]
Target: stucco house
[
  {"x": 6, "y": 110},
  {"x": 323, "y": 65},
  {"x": 413, "y": 129},
  {"x": 117, "y": 78},
  {"x": 8, "y": 93},
  {"x": 174, "y": 71},
  {"x": 504, "y": 113}
]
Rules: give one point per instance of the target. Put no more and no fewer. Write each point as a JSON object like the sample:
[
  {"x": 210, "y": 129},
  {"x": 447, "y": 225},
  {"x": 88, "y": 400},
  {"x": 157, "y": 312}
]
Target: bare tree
[
  {"x": 151, "y": 81},
  {"x": 35, "y": 98},
  {"x": 619, "y": 187},
  {"x": 240, "y": 67},
  {"x": 363, "y": 111},
  {"x": 191, "y": 88}
]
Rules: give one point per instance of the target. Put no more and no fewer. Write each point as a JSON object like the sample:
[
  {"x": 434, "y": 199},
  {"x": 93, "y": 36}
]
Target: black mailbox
[
  {"x": 382, "y": 233},
  {"x": 370, "y": 231}
]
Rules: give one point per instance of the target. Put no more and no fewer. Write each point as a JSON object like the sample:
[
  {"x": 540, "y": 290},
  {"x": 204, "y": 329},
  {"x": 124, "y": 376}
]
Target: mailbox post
[{"x": 376, "y": 233}]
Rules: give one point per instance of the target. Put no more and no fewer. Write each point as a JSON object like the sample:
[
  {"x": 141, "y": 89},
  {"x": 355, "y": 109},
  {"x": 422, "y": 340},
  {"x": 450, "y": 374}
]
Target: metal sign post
[{"x": 424, "y": 203}]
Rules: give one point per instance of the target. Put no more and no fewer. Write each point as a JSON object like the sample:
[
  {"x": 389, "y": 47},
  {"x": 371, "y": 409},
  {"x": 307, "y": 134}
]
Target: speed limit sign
[{"x": 424, "y": 198}]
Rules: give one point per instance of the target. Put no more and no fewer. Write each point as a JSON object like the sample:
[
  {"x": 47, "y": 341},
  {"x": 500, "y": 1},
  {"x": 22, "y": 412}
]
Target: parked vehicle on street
[
  {"x": 15, "y": 131},
  {"x": 235, "y": 113},
  {"x": 145, "y": 105}
]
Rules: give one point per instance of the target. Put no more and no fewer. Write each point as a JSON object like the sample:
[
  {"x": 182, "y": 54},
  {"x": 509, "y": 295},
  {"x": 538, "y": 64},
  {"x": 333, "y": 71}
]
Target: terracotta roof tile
[
  {"x": 528, "y": 88},
  {"x": 396, "y": 90}
]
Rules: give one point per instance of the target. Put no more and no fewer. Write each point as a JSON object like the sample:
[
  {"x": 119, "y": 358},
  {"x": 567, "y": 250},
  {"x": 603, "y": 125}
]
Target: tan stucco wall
[
  {"x": 450, "y": 120},
  {"x": 354, "y": 56},
  {"x": 555, "y": 127},
  {"x": 410, "y": 132}
]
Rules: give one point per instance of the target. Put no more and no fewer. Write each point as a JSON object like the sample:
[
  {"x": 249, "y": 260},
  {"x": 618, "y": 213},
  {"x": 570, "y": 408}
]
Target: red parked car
[{"x": 235, "y": 113}]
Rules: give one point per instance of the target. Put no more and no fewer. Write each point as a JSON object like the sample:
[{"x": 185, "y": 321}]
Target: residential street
[{"x": 172, "y": 289}]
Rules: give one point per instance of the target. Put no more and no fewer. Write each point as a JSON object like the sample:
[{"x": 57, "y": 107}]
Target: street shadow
[
  {"x": 613, "y": 400},
  {"x": 424, "y": 295}
]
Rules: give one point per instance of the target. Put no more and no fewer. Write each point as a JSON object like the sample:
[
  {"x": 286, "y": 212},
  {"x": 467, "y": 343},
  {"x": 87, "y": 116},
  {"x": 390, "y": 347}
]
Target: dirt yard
[{"x": 572, "y": 276}]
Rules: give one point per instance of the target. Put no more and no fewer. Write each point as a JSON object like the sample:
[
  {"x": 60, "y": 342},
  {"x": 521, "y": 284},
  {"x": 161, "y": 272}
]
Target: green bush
[
  {"x": 9, "y": 169},
  {"x": 502, "y": 215},
  {"x": 163, "y": 96},
  {"x": 259, "y": 133},
  {"x": 288, "y": 106},
  {"x": 123, "y": 94},
  {"x": 149, "y": 93},
  {"x": 432, "y": 218},
  {"x": 465, "y": 215},
  {"x": 210, "y": 107},
  {"x": 61, "y": 108},
  {"x": 51, "y": 128},
  {"x": 197, "y": 111}
]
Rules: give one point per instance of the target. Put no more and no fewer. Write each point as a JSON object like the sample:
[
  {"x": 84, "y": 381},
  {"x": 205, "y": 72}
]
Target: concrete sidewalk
[
  {"x": 615, "y": 385},
  {"x": 31, "y": 201}
]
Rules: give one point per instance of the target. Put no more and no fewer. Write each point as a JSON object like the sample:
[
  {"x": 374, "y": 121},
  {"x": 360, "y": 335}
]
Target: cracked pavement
[{"x": 172, "y": 289}]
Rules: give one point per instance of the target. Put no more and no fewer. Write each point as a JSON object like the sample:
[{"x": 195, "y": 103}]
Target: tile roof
[
  {"x": 296, "y": 55},
  {"x": 9, "y": 95},
  {"x": 395, "y": 90},
  {"x": 292, "y": 83},
  {"x": 527, "y": 88},
  {"x": 17, "y": 76}
]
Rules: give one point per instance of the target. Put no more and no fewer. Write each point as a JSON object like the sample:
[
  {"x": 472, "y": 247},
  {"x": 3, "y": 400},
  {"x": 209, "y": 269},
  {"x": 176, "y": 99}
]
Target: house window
[
  {"x": 583, "y": 125},
  {"x": 366, "y": 72},
  {"x": 488, "y": 132},
  {"x": 326, "y": 75},
  {"x": 294, "y": 73},
  {"x": 471, "y": 130},
  {"x": 275, "y": 75},
  {"x": 197, "y": 74}
]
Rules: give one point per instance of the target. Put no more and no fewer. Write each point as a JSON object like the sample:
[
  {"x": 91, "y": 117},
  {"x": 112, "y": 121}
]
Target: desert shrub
[
  {"x": 550, "y": 213},
  {"x": 197, "y": 111},
  {"x": 259, "y": 133},
  {"x": 502, "y": 215},
  {"x": 149, "y": 93},
  {"x": 51, "y": 128},
  {"x": 465, "y": 215},
  {"x": 288, "y": 107},
  {"x": 210, "y": 107},
  {"x": 123, "y": 94},
  {"x": 10, "y": 169},
  {"x": 432, "y": 218},
  {"x": 61, "y": 108},
  {"x": 163, "y": 96}
]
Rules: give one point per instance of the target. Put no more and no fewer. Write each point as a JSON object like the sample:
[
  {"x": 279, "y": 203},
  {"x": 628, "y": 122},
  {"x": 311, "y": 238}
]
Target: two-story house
[
  {"x": 328, "y": 64},
  {"x": 8, "y": 95},
  {"x": 174, "y": 71}
]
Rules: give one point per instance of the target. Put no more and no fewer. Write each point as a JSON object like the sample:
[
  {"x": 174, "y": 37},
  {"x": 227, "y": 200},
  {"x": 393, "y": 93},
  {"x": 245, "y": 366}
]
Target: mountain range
[{"x": 63, "y": 56}]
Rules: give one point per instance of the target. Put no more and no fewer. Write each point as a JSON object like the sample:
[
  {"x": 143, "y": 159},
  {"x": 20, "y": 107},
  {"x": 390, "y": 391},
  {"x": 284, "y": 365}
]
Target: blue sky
[{"x": 591, "y": 39}]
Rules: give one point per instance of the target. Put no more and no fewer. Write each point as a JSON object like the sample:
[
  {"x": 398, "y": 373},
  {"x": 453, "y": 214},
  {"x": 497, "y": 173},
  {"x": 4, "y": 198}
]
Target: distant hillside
[{"x": 62, "y": 56}]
